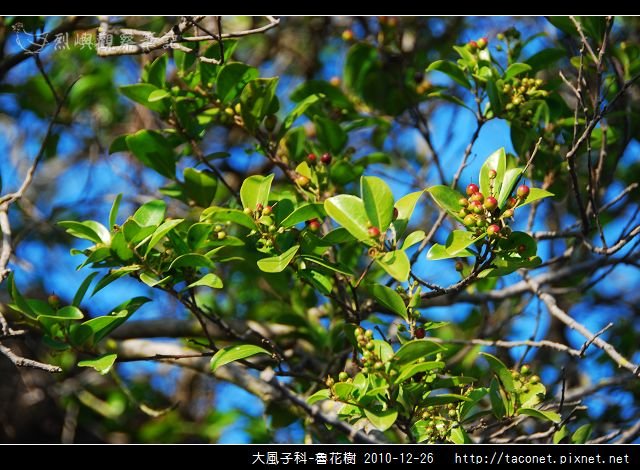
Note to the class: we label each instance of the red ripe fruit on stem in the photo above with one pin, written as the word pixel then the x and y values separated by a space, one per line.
pixel 493 230
pixel 311 158
pixel 523 191
pixel 374 232
pixel 420 333
pixel 326 158
pixel 267 210
pixel 476 207
pixel 493 174
pixel 472 189
pixel 313 224
pixel 473 45
pixel 511 203
pixel 490 203
pixel 259 207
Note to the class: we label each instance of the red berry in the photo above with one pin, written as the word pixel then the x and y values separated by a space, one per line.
pixel 493 230
pixel 511 203
pixel 259 207
pixel 482 43
pixel 473 45
pixel 374 232
pixel 491 203
pixel 347 35
pixel 313 224
pixel 493 174
pixel 267 210
pixel 472 189
pixel 420 333
pixel 523 191
pixel 476 207
pixel 311 158
pixel 326 158
pixel 477 197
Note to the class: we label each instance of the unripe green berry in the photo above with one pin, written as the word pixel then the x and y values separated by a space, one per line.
pixel 343 376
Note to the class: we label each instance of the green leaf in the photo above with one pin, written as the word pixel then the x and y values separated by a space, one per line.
pixel 278 264
pixel 157 71
pixel 416 349
pixel 191 260
pixel 560 434
pixel 496 161
pixel 413 238
pixel 349 212
pixel 582 434
pixel 257 99
pixel 378 201
pixel 102 364
pixel 544 59
pixel 82 290
pixel 447 198
pixel 516 69
pixel 297 111
pixel 140 92
pixel 381 420
pixel 534 396
pixel 221 214
pixel 200 186
pixel 405 206
pixel 456 246
pixel 459 436
pixel 494 97
pixel 497 404
pixel 330 134
pixel 458 240
pixel 535 194
pixel 444 399
pixel 68 312
pixel 235 353
pixel 303 213
pixel 396 264
pixel 255 190
pixel 452 70
pixel 113 213
pixel 320 395
pixel 208 280
pixel 102 326
pixel 88 230
pixel 508 183
pixel 389 299
pixel 336 267
pixel 160 233
pixel 517 240
pixel 158 95
pixel 112 276
pixel 540 414
pixel 382 349
pixel 154 151
pixel 119 144
pixel 498 368
pixel 358 63
pixel 150 213
pixel 318 280
pixel 232 79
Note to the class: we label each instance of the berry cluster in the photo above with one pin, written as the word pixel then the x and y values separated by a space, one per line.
pixel 371 362
pixel 267 227
pixel 518 95
pixel 478 45
pixel 482 213
pixel 438 421
pixel 523 380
